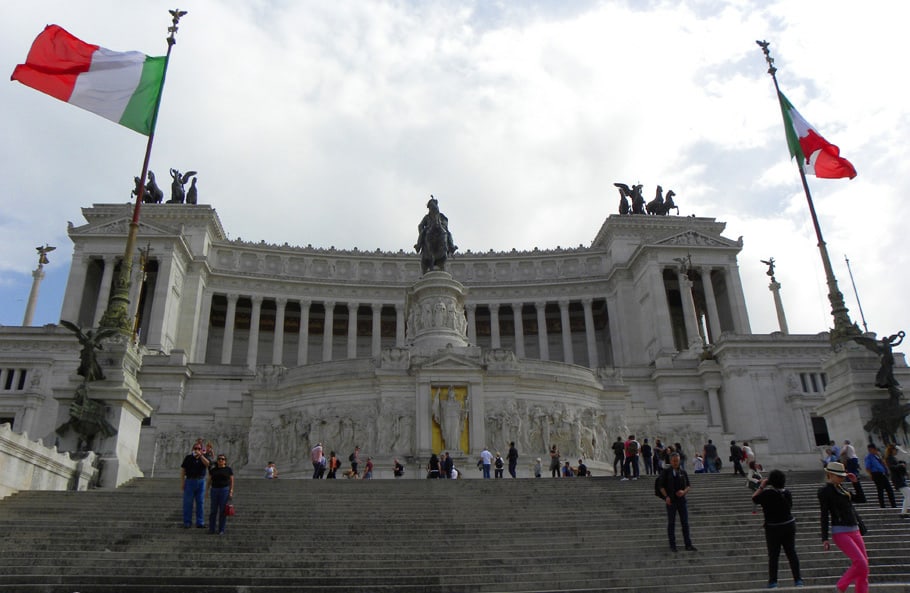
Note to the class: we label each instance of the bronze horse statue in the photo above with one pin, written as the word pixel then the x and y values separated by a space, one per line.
pixel 434 242
pixel 660 206
pixel 153 193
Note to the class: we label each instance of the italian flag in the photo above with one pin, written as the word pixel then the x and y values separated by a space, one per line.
pixel 816 155
pixel 123 87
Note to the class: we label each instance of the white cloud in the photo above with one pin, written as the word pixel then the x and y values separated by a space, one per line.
pixel 330 123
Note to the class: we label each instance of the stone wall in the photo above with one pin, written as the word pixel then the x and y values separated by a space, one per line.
pixel 30 465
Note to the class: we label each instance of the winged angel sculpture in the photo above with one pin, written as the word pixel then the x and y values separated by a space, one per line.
pixel 887 416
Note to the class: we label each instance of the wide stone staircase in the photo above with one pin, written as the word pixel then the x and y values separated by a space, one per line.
pixel 414 535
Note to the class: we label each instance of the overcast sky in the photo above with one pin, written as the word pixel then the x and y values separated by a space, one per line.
pixel 330 123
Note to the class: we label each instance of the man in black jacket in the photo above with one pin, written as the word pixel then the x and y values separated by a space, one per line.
pixel 736 456
pixel 674 487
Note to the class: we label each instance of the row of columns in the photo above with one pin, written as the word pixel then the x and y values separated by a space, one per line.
pixel 76 291
pixel 542 335
pixel 690 314
pixel 277 354
pixel 12 379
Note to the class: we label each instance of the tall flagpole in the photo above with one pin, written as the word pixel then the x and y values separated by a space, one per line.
pixel 117 313
pixel 844 328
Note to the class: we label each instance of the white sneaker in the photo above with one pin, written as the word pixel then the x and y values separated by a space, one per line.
pixel 624 480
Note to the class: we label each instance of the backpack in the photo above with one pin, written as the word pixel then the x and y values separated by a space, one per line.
pixel 351 457
pixel 633 448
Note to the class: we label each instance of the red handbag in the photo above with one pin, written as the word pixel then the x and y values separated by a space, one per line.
pixel 229 509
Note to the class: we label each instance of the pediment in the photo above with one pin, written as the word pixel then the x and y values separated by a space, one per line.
pixel 695 238
pixel 120 226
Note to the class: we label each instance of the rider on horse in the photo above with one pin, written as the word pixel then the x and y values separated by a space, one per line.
pixel 434 218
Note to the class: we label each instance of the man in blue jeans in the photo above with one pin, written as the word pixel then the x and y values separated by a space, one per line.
pixel 192 478
pixel 674 486
pixel 486 458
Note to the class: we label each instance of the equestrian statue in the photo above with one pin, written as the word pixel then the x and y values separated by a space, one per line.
pixel 434 241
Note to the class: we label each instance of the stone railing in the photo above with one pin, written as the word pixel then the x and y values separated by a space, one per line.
pixel 30 465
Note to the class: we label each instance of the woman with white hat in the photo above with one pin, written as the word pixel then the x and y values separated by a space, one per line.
pixel 846 527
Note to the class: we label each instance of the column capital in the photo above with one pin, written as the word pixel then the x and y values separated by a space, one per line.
pixel 353 306
pixel 328 305
pixel 563 303
pixel 305 304
pixel 281 301
pixel 540 304
pixel 471 307
pixel 257 299
pixel 517 307
pixel 377 307
pixel 494 307
pixel 232 297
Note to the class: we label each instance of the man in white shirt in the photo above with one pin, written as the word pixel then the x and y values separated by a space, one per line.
pixel 486 459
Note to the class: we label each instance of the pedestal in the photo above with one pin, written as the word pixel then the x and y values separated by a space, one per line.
pixel 436 316
pixel 120 394
pixel 850 392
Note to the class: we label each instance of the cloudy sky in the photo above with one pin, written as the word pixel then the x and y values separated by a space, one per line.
pixel 329 123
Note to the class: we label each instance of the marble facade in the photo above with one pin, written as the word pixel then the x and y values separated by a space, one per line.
pixel 268 349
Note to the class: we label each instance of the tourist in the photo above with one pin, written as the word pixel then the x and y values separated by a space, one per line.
pixel 499 465
pixel 554 462
pixel 447 467
pixel 709 453
pixel 875 467
pixel 512 456
pixel 658 461
pixel 632 451
pixel 646 457
pixel 780 526
pixel 898 471
pixel 699 464
pixel 316 460
pixel 397 468
pixel 221 489
pixel 753 480
pixel 538 468
pixel 850 460
pixel 567 471
pixel 682 456
pixel 748 454
pixel 845 527
pixel 333 465
pixel 619 456
pixel 209 453
pixel 433 467
pixel 192 480
pixel 368 469
pixel 736 456
pixel 486 459
pixel 354 458
pixel 582 470
pixel 674 486
pixel 271 472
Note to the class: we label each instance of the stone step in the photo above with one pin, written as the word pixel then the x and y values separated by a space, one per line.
pixel 478 536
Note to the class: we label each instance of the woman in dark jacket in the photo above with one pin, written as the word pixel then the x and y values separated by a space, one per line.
pixel 433 467
pixel 837 512
pixel 780 526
